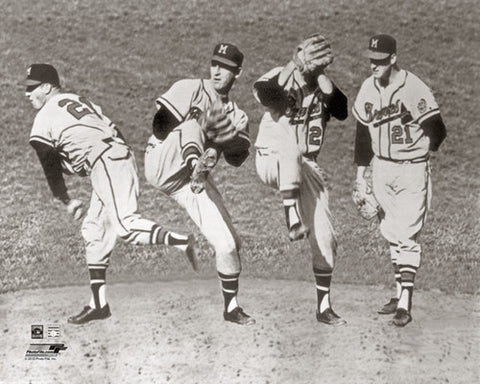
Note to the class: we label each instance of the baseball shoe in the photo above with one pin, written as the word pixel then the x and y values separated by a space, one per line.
pixel 329 317
pixel 88 314
pixel 402 317
pixel 389 308
pixel 192 252
pixel 239 317
pixel 205 164
pixel 298 232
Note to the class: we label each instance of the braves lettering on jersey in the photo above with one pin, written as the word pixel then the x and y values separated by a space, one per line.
pixel 393 115
pixel 305 116
pixel 79 144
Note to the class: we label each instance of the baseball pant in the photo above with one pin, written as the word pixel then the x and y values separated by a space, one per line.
pixel 283 168
pixel 113 210
pixel 166 170
pixel 403 190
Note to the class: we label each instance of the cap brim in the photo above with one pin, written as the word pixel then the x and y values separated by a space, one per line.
pixel 29 82
pixel 224 61
pixel 375 55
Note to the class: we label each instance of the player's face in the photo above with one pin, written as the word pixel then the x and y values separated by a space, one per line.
pixel 381 69
pixel 222 78
pixel 37 95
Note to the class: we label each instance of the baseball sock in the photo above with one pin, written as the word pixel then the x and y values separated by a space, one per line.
pixel 398 280
pixel 291 212
pixel 290 203
pixel 229 290
pixel 408 273
pixel 97 285
pixel 394 251
pixel 162 236
pixel 323 279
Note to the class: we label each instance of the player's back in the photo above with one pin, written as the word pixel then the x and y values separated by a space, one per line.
pixel 74 126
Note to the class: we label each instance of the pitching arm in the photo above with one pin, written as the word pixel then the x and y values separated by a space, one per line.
pixel 52 167
pixel 236 152
pixel 164 122
pixel 336 103
pixel 435 129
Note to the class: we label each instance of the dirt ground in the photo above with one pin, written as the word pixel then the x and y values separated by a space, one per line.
pixel 173 332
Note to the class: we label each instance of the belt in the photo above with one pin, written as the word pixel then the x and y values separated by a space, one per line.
pixel 412 161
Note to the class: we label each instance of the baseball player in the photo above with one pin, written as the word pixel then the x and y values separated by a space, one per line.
pixel 398 124
pixel 195 123
pixel 71 135
pixel 300 98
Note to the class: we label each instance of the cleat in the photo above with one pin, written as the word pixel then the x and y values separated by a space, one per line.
pixel 89 314
pixel 402 317
pixel 192 252
pixel 298 232
pixel 200 173
pixel 389 308
pixel 239 317
pixel 329 317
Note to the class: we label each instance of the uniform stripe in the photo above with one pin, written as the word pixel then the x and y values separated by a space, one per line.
pixel 204 89
pixel 113 196
pixel 244 135
pixel 427 115
pixel 97 281
pixel 229 290
pixel 394 117
pixel 358 117
pixel 41 139
pixel 229 279
pixel 323 274
pixel 161 100
pixel 320 288
pixel 408 269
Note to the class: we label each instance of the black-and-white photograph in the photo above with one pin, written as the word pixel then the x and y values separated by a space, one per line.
pixel 239 192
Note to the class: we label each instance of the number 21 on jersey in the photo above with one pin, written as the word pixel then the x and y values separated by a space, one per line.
pixel 78 109
pixel 401 134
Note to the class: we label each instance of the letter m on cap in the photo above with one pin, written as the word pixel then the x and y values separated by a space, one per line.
pixel 223 49
pixel 374 43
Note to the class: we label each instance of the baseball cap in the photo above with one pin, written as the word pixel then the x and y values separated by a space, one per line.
pixel 228 55
pixel 42 73
pixel 380 47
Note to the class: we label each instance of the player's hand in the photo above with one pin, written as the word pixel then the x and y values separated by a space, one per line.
pixel 75 208
pixel 362 185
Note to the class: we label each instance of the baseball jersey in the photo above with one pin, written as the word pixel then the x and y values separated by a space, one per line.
pixel 189 98
pixel 75 128
pixel 306 114
pixel 394 115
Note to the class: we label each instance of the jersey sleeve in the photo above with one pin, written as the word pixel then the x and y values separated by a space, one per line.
pixel 359 109
pixel 52 168
pixel 336 104
pixel 41 130
pixel 267 90
pixel 236 150
pixel 178 99
pixel 422 102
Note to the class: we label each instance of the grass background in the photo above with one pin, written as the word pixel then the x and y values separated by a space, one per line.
pixel 123 55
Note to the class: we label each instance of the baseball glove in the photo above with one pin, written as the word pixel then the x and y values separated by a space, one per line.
pixel 217 125
pixel 313 54
pixel 366 203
